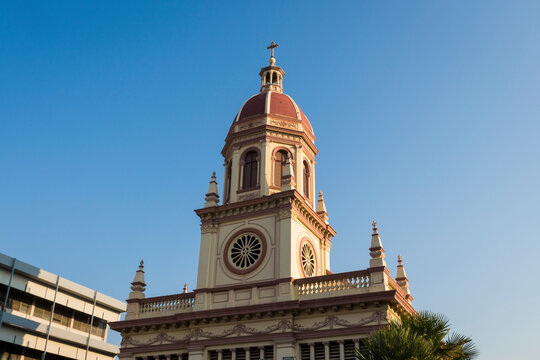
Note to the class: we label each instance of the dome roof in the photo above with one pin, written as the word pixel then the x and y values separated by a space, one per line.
pixel 275 105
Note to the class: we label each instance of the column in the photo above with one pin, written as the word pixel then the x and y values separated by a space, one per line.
pixel 261 352
pixel 233 354
pixel 341 349
pixel 219 354
pixel 326 350
pixel 248 354
pixel 311 351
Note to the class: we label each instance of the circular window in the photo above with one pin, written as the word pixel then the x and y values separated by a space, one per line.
pixel 308 259
pixel 245 251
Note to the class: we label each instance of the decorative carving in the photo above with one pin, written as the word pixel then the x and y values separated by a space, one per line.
pixel 283 123
pixel 241 329
pixel 248 196
pixel 249 125
pixel 209 228
pixel 284 214
pixel 332 321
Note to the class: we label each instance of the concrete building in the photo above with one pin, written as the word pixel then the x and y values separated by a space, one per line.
pixel 264 285
pixel 45 312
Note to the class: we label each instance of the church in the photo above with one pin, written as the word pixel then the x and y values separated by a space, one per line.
pixel 264 286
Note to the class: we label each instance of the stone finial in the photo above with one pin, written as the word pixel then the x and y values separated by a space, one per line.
pixel 401 279
pixel 375 229
pixel 138 286
pixel 212 197
pixel 321 208
pixel 376 249
pixel 185 288
pixel 287 180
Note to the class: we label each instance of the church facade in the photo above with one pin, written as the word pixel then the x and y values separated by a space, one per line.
pixel 264 285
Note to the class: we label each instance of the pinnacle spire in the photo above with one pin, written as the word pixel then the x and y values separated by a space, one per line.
pixel 376 249
pixel 138 286
pixel 401 279
pixel 321 208
pixel 212 196
pixel 185 288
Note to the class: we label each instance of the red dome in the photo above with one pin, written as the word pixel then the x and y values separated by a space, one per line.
pixel 273 104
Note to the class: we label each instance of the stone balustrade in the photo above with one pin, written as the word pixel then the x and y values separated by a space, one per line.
pixel 341 284
pixel 167 304
pixel 353 282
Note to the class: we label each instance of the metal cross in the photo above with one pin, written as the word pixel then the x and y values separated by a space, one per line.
pixel 272 46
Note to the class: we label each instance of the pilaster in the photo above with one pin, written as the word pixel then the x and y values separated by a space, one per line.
pixel 207 255
pixel 235 175
pixel 266 162
pixel 285 348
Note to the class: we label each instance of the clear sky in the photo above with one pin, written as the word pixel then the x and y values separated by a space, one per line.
pixel 113 116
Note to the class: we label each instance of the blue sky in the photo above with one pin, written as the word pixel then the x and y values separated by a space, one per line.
pixel 113 115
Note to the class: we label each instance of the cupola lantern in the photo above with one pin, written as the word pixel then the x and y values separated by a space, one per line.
pixel 272 76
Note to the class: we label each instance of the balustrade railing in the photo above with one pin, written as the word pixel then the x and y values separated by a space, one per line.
pixel 177 302
pixel 332 283
pixel 350 282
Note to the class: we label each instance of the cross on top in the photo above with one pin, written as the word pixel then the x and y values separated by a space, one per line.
pixel 272 46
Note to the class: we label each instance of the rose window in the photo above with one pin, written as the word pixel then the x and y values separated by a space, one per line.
pixel 308 259
pixel 245 250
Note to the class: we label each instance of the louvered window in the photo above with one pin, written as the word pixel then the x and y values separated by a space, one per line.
pixel 304 352
pixel 227 354
pixel 319 351
pixel 334 350
pixel 349 350
pixel 240 354
pixel 269 352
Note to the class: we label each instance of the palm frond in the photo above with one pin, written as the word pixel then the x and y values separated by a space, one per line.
pixel 423 336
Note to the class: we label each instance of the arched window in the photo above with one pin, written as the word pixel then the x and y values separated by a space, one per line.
pixel 228 182
pixel 306 179
pixel 249 179
pixel 279 166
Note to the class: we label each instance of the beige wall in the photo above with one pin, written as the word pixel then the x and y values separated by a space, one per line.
pixel 266 175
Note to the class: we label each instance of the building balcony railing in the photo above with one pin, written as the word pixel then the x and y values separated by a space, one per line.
pixel 353 282
pixel 318 287
pixel 169 303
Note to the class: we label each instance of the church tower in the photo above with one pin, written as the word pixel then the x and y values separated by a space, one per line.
pixel 264 285
pixel 270 224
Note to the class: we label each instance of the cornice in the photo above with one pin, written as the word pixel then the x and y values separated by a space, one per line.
pixel 285 200
pixel 377 298
pixel 257 206
pixel 311 219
